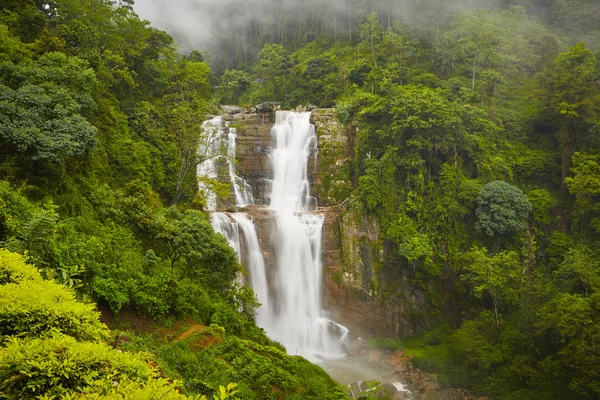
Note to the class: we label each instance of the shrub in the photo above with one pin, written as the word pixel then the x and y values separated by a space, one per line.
pixel 14 270
pixel 32 307
pixel 60 365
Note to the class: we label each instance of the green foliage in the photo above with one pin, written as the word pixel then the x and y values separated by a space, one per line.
pixel 273 67
pixel 501 209
pixel 188 238
pixel 59 364
pixel 233 83
pixel 51 344
pixel 210 357
pixel 573 101
pixel 473 342
pixel 33 307
pixel 542 206
pixel 14 270
pixel 585 186
pixel 43 108
pixel 494 276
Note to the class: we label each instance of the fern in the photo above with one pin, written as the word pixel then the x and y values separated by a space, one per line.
pixel 34 235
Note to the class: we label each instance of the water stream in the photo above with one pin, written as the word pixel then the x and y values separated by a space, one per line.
pixel 296 318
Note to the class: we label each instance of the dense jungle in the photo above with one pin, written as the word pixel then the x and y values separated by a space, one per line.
pixel 475 146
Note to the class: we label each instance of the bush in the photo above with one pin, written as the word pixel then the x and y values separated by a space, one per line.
pixel 51 345
pixel 33 307
pixel 14 270
pixel 60 365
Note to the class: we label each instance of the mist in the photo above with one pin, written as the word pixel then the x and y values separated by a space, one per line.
pixel 231 32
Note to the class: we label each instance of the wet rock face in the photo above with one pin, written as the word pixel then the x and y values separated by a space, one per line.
pixel 252 152
pixel 353 260
pixel 332 184
pixel 347 281
pixel 266 227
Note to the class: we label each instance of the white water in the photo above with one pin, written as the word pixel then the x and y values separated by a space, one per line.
pixel 227 227
pixel 214 131
pixel 291 310
pixel 297 319
pixel 255 265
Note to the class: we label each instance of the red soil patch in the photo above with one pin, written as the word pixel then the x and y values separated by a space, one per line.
pixel 189 332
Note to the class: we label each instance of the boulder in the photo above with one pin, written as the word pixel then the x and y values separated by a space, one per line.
pixel 232 110
pixel 267 106
pixel 399 396
pixel 389 387
pixel 431 393
pixel 400 368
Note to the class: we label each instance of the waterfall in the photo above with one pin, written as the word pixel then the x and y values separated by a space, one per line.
pixel 222 224
pixel 255 264
pixel 210 151
pixel 214 132
pixel 296 318
pixel 243 193
pixel 290 309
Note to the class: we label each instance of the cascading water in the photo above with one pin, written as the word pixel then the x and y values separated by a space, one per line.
pixel 296 318
pixel 291 309
pixel 214 130
pixel 255 264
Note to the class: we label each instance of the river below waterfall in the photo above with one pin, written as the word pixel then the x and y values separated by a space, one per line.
pixel 349 369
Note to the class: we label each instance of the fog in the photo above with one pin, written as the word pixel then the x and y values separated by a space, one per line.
pixel 232 30
pixel 201 21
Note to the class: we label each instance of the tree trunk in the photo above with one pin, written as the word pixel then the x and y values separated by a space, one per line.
pixel 473 80
pixel 349 20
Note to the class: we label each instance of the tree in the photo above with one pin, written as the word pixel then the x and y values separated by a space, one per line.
pixel 574 100
pixel 233 83
pixel 43 108
pixel 411 244
pixel 475 39
pixel 584 184
pixel 372 32
pixel 491 275
pixel 187 239
pixel 273 66
pixel 501 209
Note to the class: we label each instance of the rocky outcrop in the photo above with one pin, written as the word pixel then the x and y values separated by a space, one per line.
pixel 266 229
pixel 402 380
